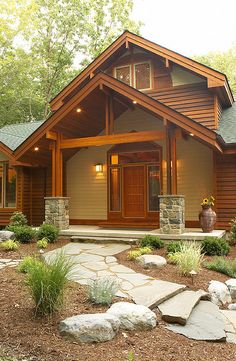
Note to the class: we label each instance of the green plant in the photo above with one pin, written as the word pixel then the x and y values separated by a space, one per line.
pixel 188 259
pixel 145 250
pixel 102 290
pixel 152 241
pixel 130 356
pixel 47 283
pixel 42 243
pixel 27 262
pixel 174 247
pixel 9 245
pixel 222 265
pixel 48 231
pixel 232 234
pixel 18 219
pixel 23 234
pixel 213 246
pixel 132 255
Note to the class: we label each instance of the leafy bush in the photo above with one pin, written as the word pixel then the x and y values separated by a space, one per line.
pixel 188 259
pixel 18 219
pixel 27 263
pixel 102 290
pixel 132 255
pixel 174 247
pixel 232 235
pixel 213 246
pixel 47 283
pixel 48 231
pixel 23 234
pixel 9 245
pixel 42 243
pixel 152 241
pixel 222 265
pixel 145 250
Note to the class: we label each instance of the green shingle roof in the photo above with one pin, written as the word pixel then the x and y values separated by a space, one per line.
pixel 15 134
pixel 227 125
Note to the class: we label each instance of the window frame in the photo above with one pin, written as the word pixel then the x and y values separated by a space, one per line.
pixel 150 65
pixel 4 178
pixel 130 73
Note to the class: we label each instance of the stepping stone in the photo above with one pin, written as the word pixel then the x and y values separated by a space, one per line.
pixel 95 266
pixel 178 308
pixel 126 286
pixel 86 257
pixel 79 272
pixel 110 249
pixel 105 273
pixel 111 259
pixel 229 326
pixel 155 292
pixel 136 279
pixel 150 260
pixel 205 323
pixel 119 268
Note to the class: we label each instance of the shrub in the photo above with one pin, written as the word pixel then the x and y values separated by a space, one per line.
pixel 188 259
pixel 174 247
pixel 27 262
pixel 232 235
pixel 42 243
pixel 23 234
pixel 145 250
pixel 18 219
pixel 102 290
pixel 48 231
pixel 47 283
pixel 213 246
pixel 132 255
pixel 222 265
pixel 152 241
pixel 9 245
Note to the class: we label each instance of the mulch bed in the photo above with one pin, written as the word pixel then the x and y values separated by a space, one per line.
pixel 32 338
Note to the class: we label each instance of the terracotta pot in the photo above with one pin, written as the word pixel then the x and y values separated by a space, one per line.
pixel 207 218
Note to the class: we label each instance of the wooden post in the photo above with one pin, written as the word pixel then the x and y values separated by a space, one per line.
pixel 173 163
pixel 111 115
pixel 107 114
pixel 168 158
pixel 57 168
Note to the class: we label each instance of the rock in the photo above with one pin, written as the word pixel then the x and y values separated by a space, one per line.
pixel 230 325
pixel 205 323
pixel 232 306
pixel 155 292
pixel 231 284
pixel 5 235
pixel 150 260
pixel 111 259
pixel 133 317
pixel 219 293
pixel 178 308
pixel 98 327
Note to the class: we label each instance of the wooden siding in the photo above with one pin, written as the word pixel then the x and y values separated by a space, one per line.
pixel 225 192
pixel 194 101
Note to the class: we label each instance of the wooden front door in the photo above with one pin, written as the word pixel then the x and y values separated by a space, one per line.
pixel 134 191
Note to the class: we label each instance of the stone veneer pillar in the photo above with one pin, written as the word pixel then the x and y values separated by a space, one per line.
pixel 172 214
pixel 57 211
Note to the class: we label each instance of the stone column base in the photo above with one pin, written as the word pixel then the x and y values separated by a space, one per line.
pixel 57 211
pixel 172 214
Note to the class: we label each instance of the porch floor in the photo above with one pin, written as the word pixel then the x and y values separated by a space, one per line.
pixel 99 233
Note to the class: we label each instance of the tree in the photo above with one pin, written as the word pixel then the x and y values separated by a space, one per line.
pixel 40 41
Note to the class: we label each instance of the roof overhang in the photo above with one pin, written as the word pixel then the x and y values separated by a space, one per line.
pixel 7 151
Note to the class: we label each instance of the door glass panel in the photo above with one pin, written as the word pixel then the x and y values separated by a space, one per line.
pixel 123 74
pixel 10 187
pixel 1 184
pixel 115 189
pixel 142 76
pixel 153 187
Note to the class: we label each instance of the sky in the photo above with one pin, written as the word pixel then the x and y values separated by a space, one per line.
pixel 190 27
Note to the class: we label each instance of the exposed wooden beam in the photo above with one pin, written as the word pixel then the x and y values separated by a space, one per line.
pixel 111 112
pixel 15 163
pixel 107 115
pixel 112 139
pixel 51 135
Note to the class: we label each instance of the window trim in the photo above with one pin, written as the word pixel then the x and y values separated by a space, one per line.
pixel 2 204
pixel 150 65
pixel 130 72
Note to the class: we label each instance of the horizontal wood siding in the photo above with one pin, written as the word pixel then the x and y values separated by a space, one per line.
pixel 225 170
pixel 194 101
pixel 38 193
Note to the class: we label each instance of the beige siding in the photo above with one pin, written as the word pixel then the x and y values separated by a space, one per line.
pixel 180 76
pixel 195 174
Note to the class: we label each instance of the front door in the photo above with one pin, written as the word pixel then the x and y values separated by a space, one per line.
pixel 134 191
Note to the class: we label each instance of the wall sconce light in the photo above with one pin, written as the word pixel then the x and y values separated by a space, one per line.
pixel 99 167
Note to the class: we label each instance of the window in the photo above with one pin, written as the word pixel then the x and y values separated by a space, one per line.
pixel 115 189
pixel 141 73
pixel 123 74
pixel 7 186
pixel 154 187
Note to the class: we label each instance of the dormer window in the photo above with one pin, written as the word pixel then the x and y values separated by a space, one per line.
pixel 137 75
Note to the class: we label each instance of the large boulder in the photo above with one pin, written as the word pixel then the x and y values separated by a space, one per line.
pixel 231 284
pixel 86 328
pixel 150 260
pixel 133 317
pixel 5 235
pixel 220 294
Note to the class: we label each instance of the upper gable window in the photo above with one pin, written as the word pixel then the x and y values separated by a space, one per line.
pixel 137 75
pixel 123 73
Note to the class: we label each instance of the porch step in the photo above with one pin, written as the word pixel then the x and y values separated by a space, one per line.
pixel 103 239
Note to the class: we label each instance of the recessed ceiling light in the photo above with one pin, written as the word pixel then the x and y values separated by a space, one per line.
pixel 79 110
pixel 36 149
pixel 192 135
pixel 134 101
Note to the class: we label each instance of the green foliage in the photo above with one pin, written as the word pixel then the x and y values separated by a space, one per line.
pixel 213 246
pixel 47 283
pixel 222 265
pixel 48 231
pixel 23 234
pixel 18 219
pixel 188 259
pixel 174 247
pixel 9 245
pixel 152 241
pixel 133 254
pixel 232 235
pixel 130 356
pixel 42 243
pixel 26 264
pixel 102 290
pixel 145 250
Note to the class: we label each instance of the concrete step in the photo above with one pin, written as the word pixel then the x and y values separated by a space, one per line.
pixel 96 239
pixel 178 308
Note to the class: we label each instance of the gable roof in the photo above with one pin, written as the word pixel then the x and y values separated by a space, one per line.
pixel 227 125
pixel 14 135
pixel 214 77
